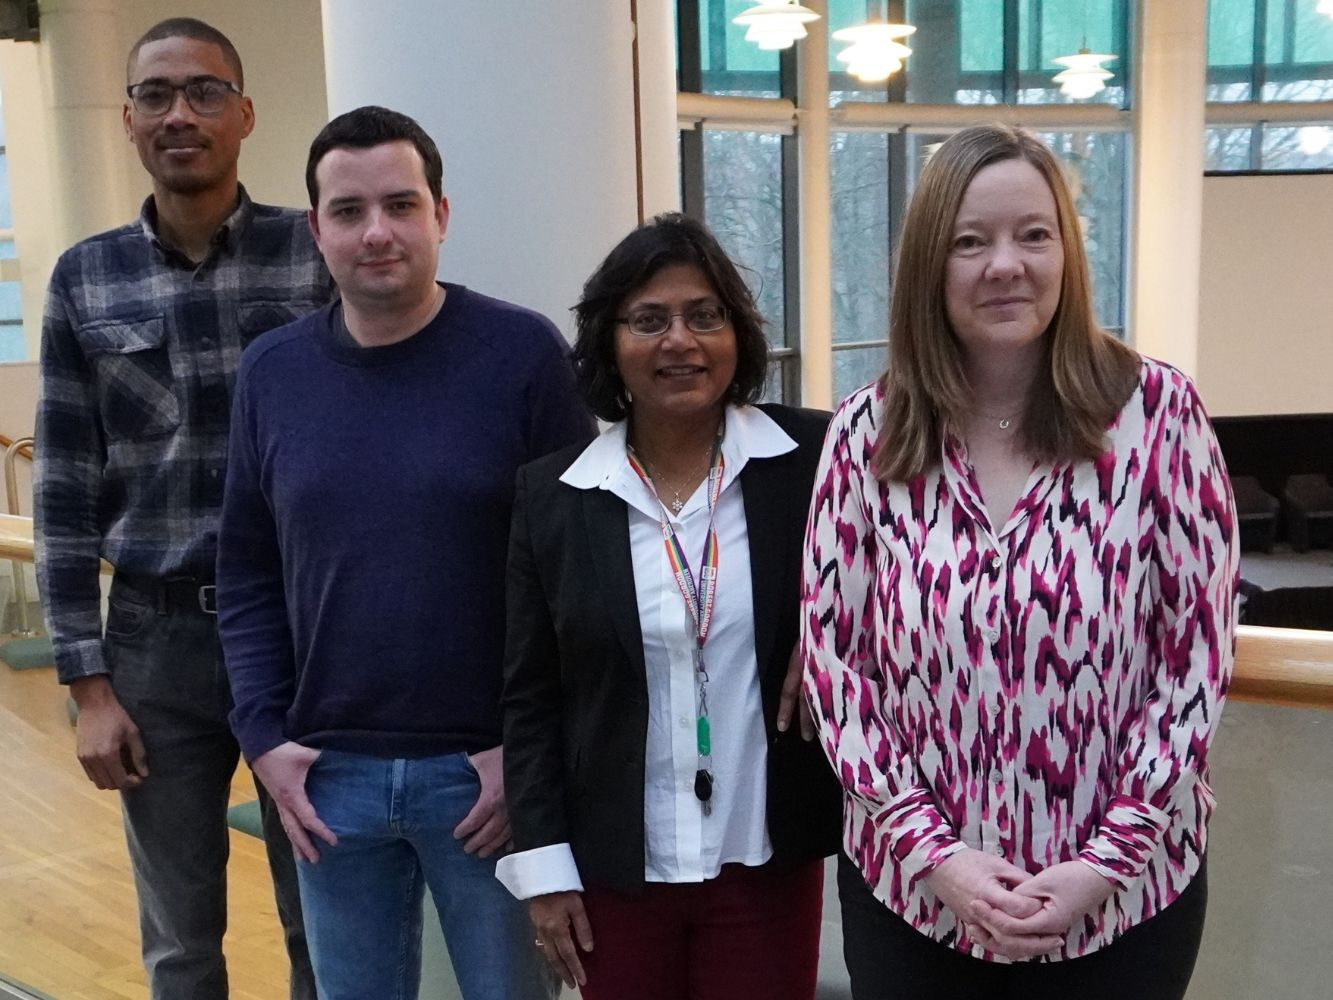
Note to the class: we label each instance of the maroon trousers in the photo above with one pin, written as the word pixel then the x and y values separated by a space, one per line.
pixel 750 932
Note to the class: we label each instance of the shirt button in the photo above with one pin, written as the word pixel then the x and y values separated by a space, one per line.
pixel 995 561
pixel 992 634
pixel 684 722
pixel 997 849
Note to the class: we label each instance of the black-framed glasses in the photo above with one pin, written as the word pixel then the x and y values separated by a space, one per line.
pixel 655 322
pixel 206 95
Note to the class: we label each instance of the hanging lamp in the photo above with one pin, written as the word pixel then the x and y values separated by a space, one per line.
pixel 777 24
pixel 874 52
pixel 1084 74
pixel 1325 7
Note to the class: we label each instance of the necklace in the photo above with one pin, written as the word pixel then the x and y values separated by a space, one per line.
pixel 677 502
pixel 1004 423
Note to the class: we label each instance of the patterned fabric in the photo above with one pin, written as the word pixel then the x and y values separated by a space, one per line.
pixel 1045 692
pixel 139 354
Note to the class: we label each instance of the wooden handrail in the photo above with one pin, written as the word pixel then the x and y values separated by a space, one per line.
pixel 25 451
pixel 1280 666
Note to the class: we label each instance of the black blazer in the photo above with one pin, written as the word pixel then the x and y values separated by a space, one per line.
pixel 575 693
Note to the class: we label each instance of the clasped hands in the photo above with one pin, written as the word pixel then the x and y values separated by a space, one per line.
pixel 1011 913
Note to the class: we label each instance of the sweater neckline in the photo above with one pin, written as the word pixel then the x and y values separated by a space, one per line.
pixel 338 344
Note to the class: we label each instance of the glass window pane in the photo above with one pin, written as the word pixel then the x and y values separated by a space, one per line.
pixel 1313 36
pixel 1095 165
pixel 859 221
pixel 783 381
pixel 743 207
pixel 855 367
pixel 842 85
pixel 1275 34
pixel 12 347
pixel 1230 33
pixel 1298 147
pixel 1227 148
pixel 731 64
pixel 1048 30
pixel 957 52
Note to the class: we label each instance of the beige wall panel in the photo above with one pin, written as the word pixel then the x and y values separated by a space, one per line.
pixel 1265 324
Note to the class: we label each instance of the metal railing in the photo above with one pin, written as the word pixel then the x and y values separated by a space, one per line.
pixel 21 446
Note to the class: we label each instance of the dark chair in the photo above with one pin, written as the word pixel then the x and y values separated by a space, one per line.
pixel 1307 502
pixel 1288 607
pixel 1256 509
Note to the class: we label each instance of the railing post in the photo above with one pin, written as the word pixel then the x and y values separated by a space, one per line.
pixel 24 629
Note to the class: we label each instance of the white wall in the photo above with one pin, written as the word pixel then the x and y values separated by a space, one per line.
pixel 532 108
pixel 1265 315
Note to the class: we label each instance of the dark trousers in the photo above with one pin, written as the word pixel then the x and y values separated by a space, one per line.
pixel 750 932
pixel 888 959
pixel 166 670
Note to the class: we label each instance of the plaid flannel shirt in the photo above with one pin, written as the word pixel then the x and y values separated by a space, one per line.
pixel 140 348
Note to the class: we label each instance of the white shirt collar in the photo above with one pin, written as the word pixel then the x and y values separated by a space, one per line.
pixel 751 433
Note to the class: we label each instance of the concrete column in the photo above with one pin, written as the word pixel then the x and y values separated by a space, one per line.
pixel 533 109
pixel 82 68
pixel 1168 197
pixel 816 226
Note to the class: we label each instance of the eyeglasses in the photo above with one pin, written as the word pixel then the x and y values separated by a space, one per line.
pixel 206 95
pixel 655 322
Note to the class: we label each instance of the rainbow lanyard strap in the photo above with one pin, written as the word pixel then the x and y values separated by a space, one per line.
pixel 699 599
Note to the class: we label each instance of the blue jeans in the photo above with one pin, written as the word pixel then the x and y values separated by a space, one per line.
pixel 394 820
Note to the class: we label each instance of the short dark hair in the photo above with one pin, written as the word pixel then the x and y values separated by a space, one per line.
pixel 371 126
pixel 188 27
pixel 670 238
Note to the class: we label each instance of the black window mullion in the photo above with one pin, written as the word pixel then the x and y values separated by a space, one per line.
pixel 689 65
pixel 1009 87
pixel 791 228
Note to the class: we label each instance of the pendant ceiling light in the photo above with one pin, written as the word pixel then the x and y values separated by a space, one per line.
pixel 1325 7
pixel 874 52
pixel 777 24
pixel 1084 74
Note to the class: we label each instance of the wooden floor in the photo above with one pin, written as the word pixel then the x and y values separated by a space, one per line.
pixel 68 924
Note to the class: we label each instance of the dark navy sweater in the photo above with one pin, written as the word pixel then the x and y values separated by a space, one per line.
pixel 361 555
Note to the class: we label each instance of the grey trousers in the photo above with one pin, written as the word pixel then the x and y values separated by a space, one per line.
pixel 166 670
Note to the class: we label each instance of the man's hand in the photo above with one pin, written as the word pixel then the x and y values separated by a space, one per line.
pixel 976 886
pixel 109 745
pixel 554 915
pixel 1065 892
pixel 794 698
pixel 485 829
pixel 283 771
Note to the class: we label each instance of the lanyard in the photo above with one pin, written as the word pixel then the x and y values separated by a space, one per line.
pixel 699 597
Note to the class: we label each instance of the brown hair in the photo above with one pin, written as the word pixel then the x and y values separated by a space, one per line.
pixel 667 239
pixel 1087 374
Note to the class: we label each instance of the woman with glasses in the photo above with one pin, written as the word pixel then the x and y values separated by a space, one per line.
pixel 1019 612
pixel 669 812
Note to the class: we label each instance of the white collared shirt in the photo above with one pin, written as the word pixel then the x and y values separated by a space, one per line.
pixel 680 843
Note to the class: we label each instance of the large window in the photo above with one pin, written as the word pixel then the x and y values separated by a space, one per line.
pixel 12 346
pixel 1270 52
pixel 965 52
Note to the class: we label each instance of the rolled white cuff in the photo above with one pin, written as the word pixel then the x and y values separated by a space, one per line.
pixel 539 871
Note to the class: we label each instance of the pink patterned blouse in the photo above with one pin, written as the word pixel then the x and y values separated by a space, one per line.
pixel 1046 690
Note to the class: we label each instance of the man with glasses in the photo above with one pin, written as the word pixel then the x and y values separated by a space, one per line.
pixel 143 333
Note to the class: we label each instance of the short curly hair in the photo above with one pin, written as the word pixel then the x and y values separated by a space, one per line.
pixel 667 239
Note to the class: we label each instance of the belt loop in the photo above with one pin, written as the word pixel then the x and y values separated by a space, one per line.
pixel 163 600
